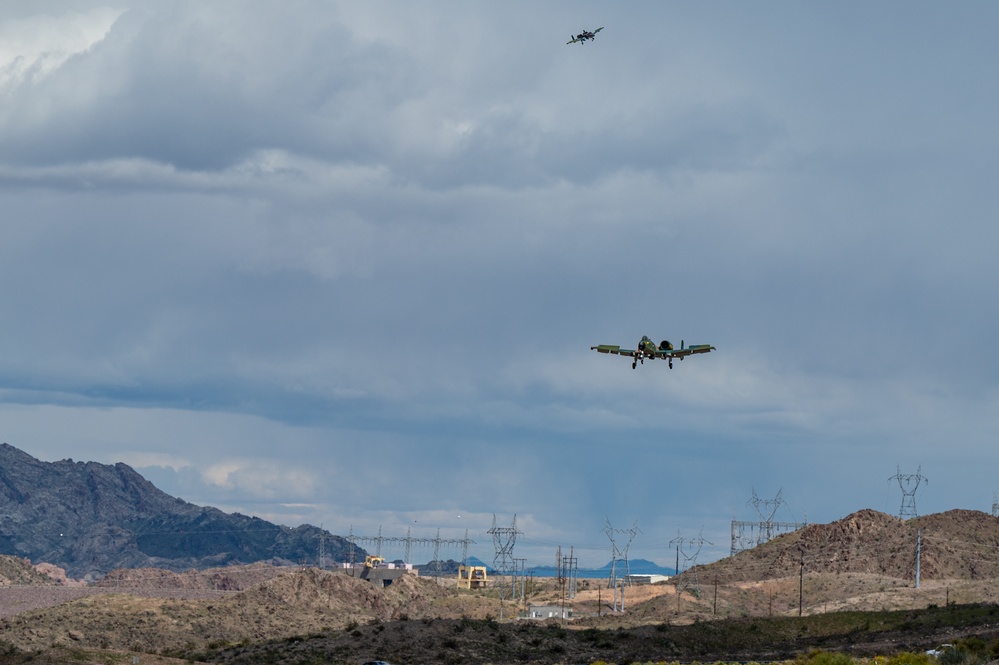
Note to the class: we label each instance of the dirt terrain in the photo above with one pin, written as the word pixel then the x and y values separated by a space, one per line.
pixel 145 617
pixel 265 613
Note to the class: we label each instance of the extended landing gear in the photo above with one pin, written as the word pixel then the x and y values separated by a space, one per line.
pixel 671 363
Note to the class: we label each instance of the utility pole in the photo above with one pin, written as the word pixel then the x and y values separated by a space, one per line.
pixel 322 548
pixel 801 581
pixel 679 589
pixel 523 582
pixel 919 543
pixel 561 580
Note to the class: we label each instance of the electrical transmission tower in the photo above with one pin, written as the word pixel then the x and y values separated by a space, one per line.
pixel 689 561
pixel 772 506
pixel 322 548
pixel 909 484
pixel 764 530
pixel 350 550
pixel 437 556
pixel 618 553
pixel 995 505
pixel 504 538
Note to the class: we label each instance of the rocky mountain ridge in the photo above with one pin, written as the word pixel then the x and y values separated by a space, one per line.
pixel 90 518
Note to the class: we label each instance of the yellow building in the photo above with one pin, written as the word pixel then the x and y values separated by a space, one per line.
pixel 471 577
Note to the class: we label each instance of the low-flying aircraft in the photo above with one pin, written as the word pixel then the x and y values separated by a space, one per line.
pixel 648 349
pixel 583 36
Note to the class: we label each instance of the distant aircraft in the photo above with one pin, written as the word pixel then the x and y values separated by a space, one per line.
pixel 583 36
pixel 648 349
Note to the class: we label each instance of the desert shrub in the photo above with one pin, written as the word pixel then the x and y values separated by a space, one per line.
pixel 973 645
pixel 952 657
pixel 820 657
pixel 909 658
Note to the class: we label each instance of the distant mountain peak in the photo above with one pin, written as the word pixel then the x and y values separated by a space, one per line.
pixel 90 518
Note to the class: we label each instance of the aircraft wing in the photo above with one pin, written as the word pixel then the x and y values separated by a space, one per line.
pixel 685 351
pixel 572 41
pixel 597 30
pixel 609 348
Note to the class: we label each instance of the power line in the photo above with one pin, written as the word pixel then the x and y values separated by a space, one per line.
pixel 438 542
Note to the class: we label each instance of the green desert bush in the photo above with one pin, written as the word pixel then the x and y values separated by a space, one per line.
pixel 820 657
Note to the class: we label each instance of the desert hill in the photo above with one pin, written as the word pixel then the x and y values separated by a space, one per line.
pixel 292 602
pixel 15 570
pixel 91 518
pixel 865 561
pixel 265 613
pixel 957 544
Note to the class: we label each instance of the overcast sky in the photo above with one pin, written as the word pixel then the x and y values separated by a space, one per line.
pixel 342 263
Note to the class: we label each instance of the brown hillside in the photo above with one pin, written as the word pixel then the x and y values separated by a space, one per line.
pixel 865 561
pixel 15 570
pixel 957 544
pixel 229 578
pixel 297 602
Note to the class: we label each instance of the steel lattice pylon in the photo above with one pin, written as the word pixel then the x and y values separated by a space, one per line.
pixel 765 529
pixel 504 538
pixel 618 553
pixel 909 484
pixel 689 561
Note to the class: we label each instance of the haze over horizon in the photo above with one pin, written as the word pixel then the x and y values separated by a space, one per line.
pixel 342 263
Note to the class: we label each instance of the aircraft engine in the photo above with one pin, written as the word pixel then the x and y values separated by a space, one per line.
pixel 665 346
